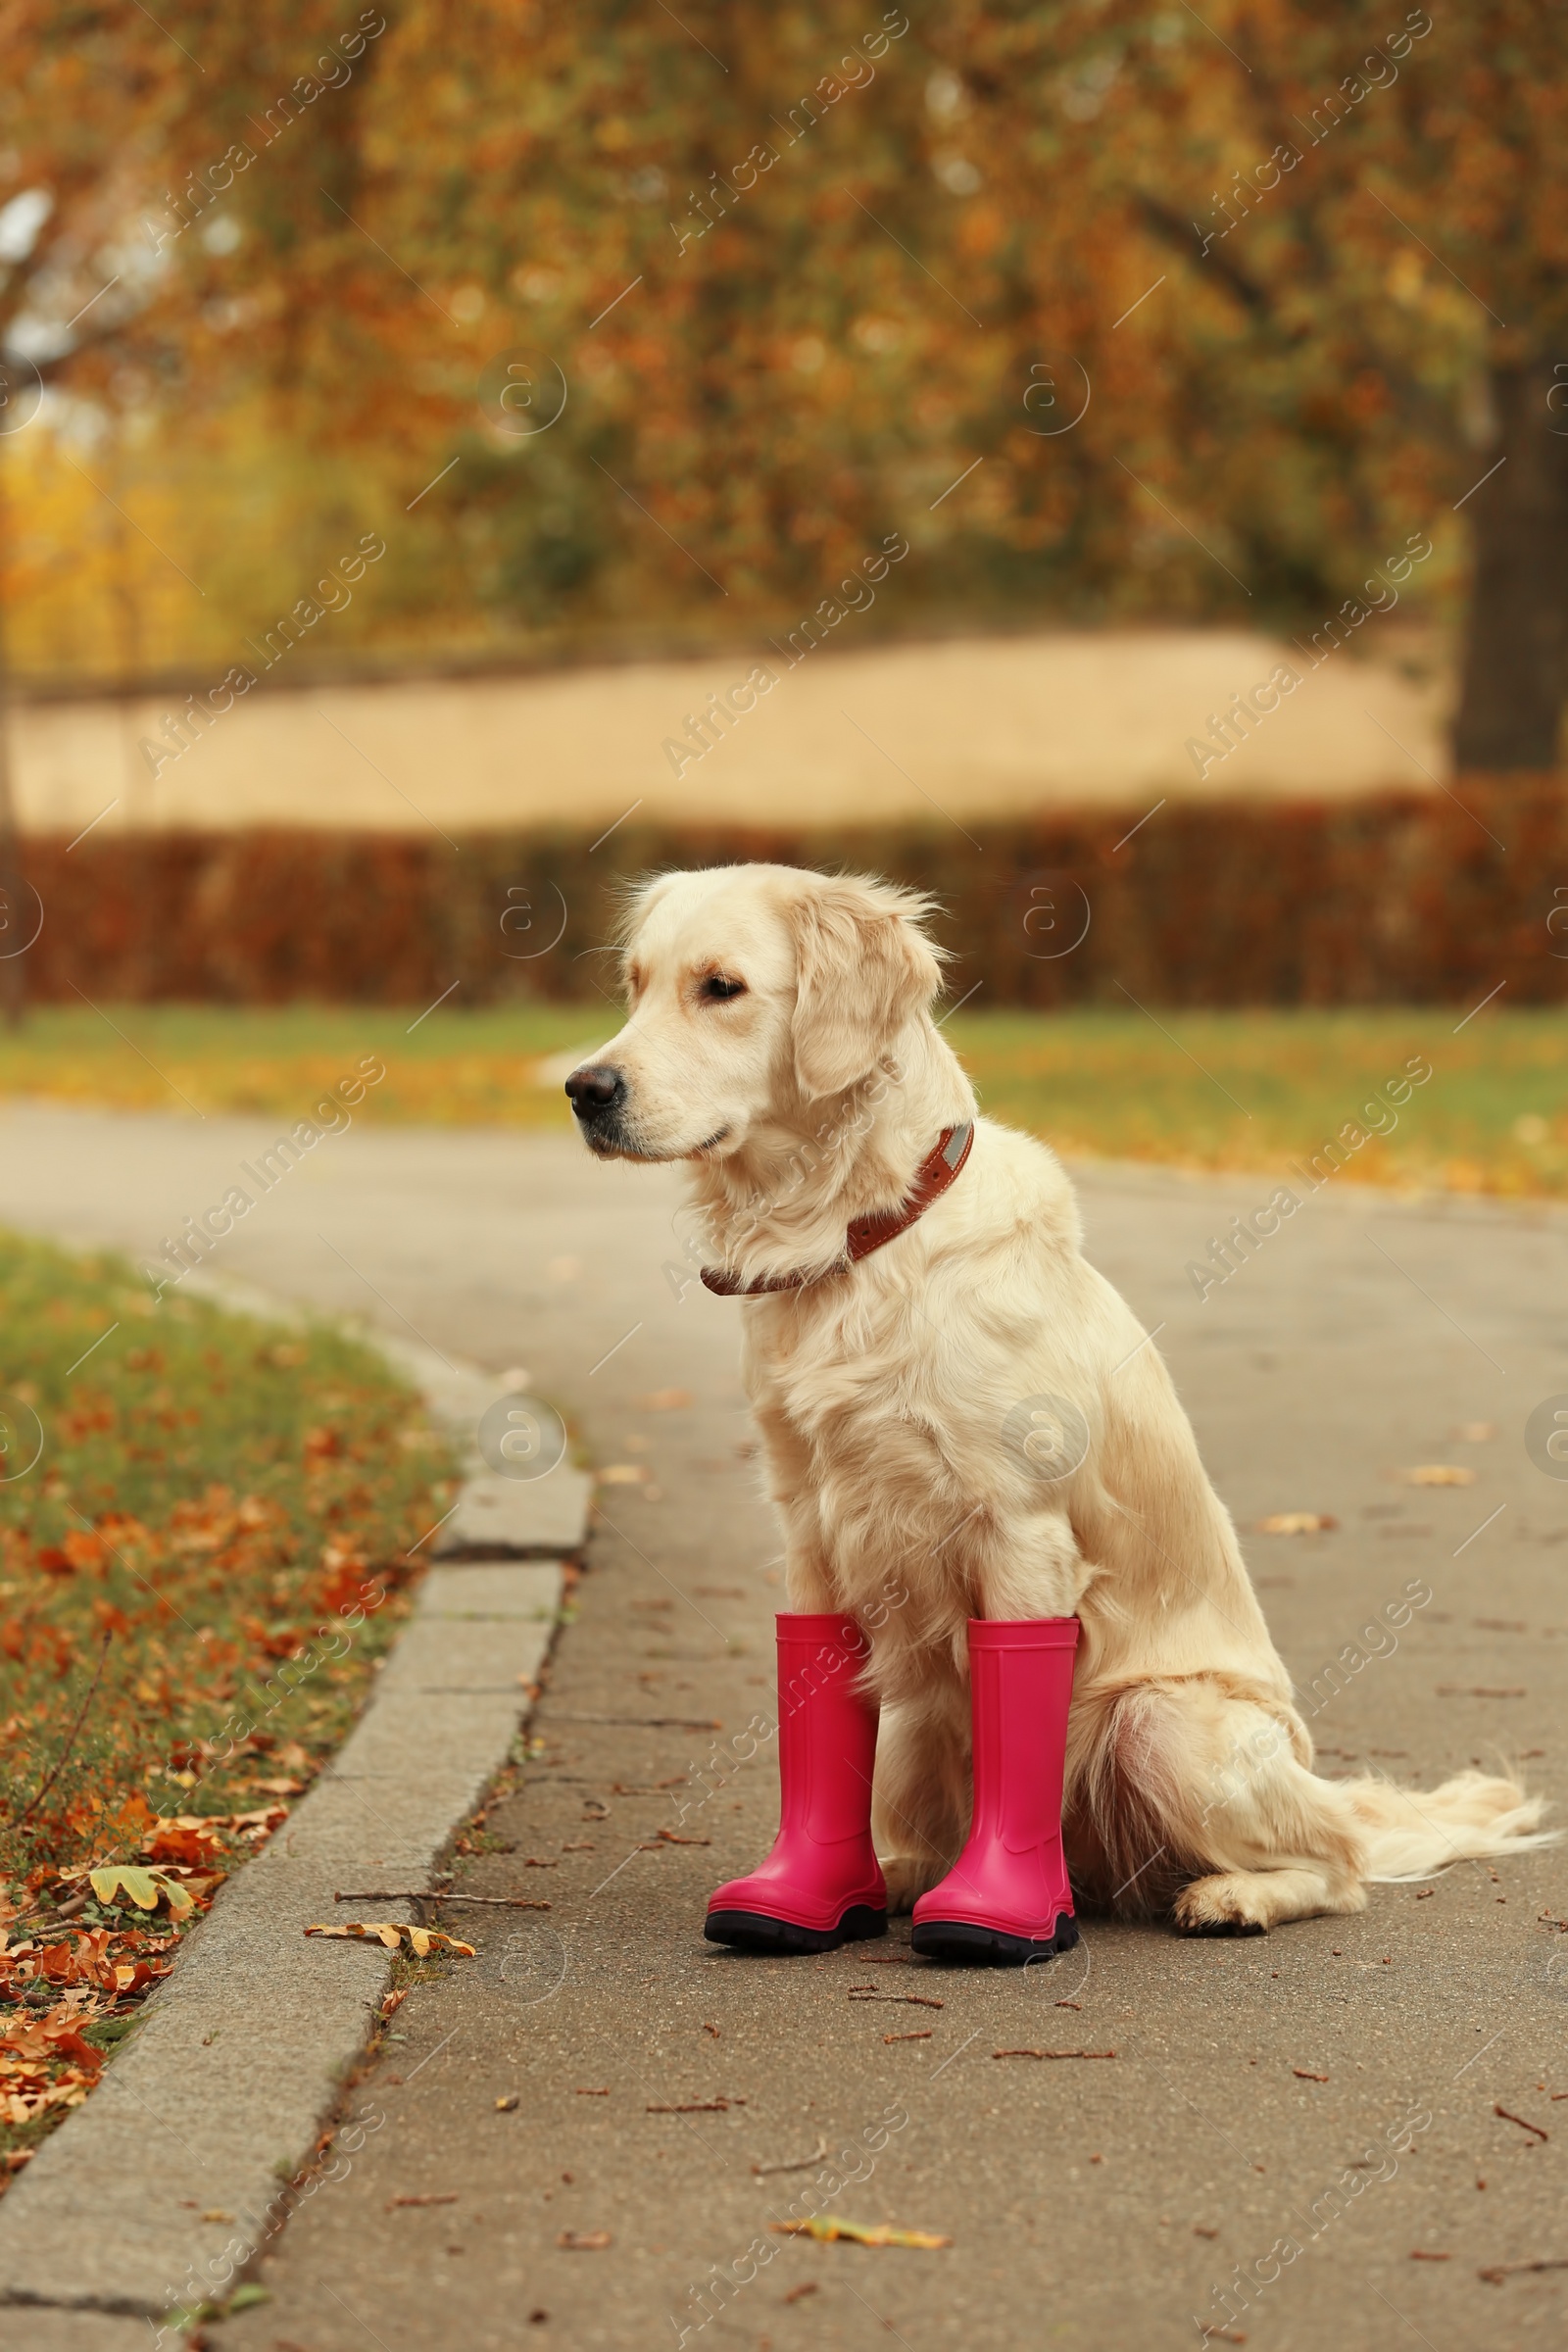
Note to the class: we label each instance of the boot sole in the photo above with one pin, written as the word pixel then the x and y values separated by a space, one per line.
pixel 755 1932
pixel 966 1943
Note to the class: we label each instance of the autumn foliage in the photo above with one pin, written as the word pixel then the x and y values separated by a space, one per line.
pixel 203 1548
pixel 627 330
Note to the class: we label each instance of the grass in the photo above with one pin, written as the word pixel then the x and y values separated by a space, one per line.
pixel 1257 1090
pixel 1213 1090
pixel 204 1547
pixel 447 1068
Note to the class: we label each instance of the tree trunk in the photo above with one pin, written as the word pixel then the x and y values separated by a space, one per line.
pixel 1516 652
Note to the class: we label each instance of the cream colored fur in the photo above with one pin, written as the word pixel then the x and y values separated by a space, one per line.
pixel 882 1393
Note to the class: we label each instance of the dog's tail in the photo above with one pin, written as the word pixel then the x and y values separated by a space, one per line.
pixel 1414 1832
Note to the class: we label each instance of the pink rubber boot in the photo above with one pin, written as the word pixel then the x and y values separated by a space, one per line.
pixel 1007 1898
pixel 821 1885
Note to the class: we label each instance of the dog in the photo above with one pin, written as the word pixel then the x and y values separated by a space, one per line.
pixel 969 1422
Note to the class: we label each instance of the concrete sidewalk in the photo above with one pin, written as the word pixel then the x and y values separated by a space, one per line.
pixel 1243 2157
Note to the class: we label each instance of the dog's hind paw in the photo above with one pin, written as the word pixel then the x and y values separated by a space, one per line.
pixel 1227 1904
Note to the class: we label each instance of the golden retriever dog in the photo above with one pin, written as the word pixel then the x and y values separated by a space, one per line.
pixel 971 1422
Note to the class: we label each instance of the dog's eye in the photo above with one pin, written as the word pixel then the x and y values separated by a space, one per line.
pixel 719 991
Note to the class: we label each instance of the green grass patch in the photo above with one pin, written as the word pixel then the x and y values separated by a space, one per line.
pixel 1212 1089
pixel 205 1531
pixel 1258 1090
pixel 447 1068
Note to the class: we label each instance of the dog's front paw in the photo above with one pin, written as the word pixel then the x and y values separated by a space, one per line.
pixel 907 1877
pixel 1230 1903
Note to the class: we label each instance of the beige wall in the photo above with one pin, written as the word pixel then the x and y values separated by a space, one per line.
pixel 979 727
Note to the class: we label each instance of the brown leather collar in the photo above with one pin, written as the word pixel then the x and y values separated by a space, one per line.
pixel 931 1180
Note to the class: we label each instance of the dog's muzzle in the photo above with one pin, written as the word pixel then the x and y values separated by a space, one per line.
pixel 597 1094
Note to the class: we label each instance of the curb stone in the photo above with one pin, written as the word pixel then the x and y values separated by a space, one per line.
pixel 214 2101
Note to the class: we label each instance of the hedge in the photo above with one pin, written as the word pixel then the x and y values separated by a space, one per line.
pixel 1392 899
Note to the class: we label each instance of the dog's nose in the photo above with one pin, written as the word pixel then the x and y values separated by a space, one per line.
pixel 595 1088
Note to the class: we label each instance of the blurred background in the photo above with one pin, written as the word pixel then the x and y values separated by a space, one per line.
pixel 1104 462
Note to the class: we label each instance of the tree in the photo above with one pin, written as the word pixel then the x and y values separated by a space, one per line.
pixel 1377 195
pixel 1107 307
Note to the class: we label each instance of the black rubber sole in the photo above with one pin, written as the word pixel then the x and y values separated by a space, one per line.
pixel 755 1932
pixel 970 1945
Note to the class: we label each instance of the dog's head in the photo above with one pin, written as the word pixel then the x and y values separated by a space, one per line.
pixel 755 991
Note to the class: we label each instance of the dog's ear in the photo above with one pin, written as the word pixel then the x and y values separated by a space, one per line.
pixel 862 967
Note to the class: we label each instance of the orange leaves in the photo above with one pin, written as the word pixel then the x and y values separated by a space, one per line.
pixel 190 1841
pixel 340 1590
pixel 45 2061
pixel 271 1641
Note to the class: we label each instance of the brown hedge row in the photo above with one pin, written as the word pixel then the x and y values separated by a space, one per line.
pixel 1393 900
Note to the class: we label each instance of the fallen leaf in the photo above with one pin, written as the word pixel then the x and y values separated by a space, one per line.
pixel 421 1940
pixel 827 2227
pixel 141 1888
pixel 1439 1474
pixel 584 2241
pixel 1296 1523
pixel 394 2001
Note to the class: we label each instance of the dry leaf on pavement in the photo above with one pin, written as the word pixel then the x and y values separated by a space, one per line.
pixel 422 1941
pixel 1440 1473
pixel 827 2227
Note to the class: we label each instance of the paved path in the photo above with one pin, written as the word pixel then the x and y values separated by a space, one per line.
pixel 1096 2202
